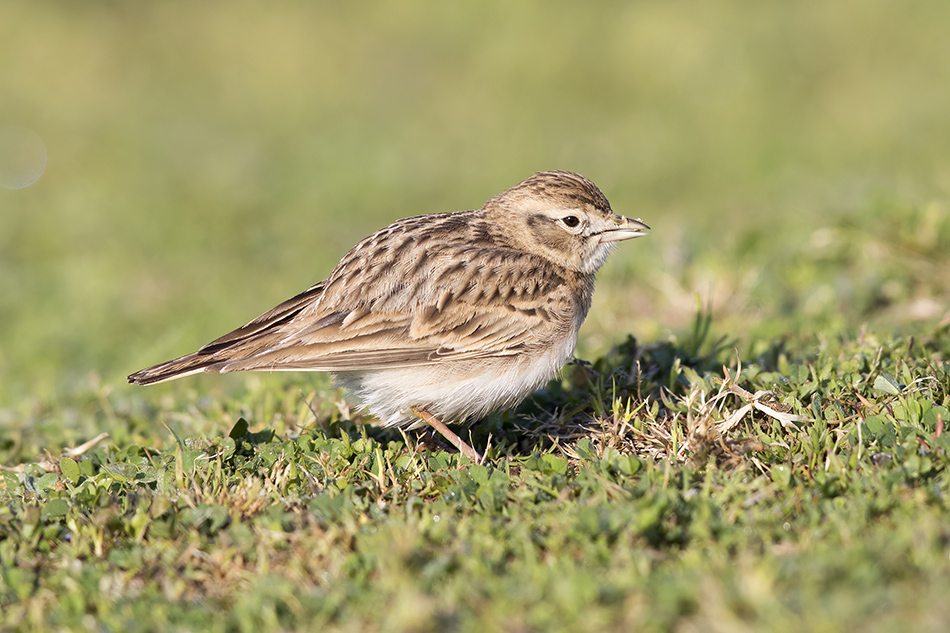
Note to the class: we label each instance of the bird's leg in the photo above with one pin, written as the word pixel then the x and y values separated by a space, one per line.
pixel 445 432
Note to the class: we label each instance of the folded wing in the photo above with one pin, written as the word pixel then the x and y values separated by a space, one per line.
pixel 453 312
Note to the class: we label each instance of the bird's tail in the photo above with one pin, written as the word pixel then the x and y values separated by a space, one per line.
pixel 176 368
pixel 236 350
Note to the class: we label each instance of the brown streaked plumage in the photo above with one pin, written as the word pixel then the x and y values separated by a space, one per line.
pixel 450 315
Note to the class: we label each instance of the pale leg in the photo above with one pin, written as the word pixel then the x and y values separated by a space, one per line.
pixel 445 432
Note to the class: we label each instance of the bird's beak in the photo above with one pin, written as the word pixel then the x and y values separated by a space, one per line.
pixel 623 229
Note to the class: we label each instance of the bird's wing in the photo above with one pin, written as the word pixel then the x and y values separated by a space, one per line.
pixel 268 321
pixel 424 333
pixel 400 298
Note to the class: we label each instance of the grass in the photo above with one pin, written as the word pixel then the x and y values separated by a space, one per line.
pixel 646 491
pixel 758 443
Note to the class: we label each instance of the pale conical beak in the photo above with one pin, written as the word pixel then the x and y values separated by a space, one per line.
pixel 624 229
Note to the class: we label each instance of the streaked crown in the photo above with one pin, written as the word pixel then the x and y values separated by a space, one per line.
pixel 563 217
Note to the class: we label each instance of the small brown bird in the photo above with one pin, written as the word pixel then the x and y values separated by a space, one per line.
pixel 442 317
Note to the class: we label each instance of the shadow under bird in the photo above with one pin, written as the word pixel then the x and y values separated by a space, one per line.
pixel 444 317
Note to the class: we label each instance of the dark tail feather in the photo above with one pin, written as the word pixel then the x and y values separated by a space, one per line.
pixel 169 370
pixel 241 344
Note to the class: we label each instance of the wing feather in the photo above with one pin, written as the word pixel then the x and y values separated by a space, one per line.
pixel 404 305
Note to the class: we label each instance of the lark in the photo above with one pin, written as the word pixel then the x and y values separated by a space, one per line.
pixel 441 318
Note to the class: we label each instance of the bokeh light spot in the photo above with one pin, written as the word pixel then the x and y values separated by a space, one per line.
pixel 22 156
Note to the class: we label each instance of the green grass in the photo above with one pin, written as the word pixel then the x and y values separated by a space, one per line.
pixel 611 500
pixel 769 452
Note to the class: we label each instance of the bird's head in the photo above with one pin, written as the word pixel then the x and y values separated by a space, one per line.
pixel 563 217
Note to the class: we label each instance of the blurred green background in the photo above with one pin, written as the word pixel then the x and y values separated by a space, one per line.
pixel 208 160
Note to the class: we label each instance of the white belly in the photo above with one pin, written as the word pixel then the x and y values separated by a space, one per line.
pixel 454 392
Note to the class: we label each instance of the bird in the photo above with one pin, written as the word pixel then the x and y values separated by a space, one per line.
pixel 441 318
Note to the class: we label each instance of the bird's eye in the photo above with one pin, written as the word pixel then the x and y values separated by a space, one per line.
pixel 570 221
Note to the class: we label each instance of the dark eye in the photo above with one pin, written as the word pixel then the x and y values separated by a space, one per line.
pixel 570 221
